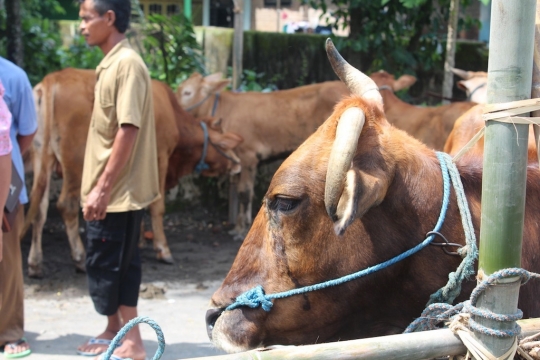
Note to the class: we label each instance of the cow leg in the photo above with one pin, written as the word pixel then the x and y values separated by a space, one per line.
pixel 35 255
pixel 163 253
pixel 245 198
pixel 68 205
pixel 157 210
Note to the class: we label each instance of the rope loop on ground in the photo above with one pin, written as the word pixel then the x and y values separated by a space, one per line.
pixel 140 319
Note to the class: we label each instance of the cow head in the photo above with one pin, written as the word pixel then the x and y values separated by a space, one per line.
pixel 326 214
pixel 387 81
pixel 474 84
pixel 195 93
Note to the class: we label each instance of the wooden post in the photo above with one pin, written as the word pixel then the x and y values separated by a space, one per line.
pixel 238 51
pixel 449 62
pixel 505 161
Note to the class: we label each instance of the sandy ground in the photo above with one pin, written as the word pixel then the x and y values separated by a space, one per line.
pixel 60 315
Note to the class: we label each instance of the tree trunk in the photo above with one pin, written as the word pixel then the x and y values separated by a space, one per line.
pixel 15 51
pixel 448 82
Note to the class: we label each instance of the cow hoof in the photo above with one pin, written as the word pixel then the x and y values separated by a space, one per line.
pixel 167 259
pixel 80 267
pixel 35 272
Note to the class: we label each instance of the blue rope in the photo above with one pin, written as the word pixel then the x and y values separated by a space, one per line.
pixel 451 290
pixel 201 165
pixel 214 107
pixel 256 297
pixel 141 319
pixel 437 313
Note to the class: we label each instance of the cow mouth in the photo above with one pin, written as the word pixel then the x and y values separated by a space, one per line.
pixel 211 317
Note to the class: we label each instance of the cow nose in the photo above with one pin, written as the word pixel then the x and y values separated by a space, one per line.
pixel 211 317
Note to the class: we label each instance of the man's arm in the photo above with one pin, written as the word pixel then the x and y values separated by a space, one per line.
pixel 25 141
pixel 95 207
pixel 5 181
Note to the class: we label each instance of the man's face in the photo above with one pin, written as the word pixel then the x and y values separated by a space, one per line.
pixel 94 27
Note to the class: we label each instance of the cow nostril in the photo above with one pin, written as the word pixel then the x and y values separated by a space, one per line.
pixel 211 317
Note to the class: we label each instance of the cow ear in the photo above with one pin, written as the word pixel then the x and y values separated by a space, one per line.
pixel 404 82
pixel 361 192
pixel 215 82
pixel 462 84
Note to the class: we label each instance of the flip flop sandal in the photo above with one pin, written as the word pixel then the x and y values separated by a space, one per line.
pixel 94 341
pixel 13 345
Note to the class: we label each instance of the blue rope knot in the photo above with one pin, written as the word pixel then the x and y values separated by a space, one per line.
pixel 252 298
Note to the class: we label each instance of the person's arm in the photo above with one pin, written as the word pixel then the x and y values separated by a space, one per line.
pixel 98 199
pixel 25 141
pixel 5 181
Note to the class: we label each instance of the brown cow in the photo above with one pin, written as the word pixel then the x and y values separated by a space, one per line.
pixel 474 84
pixel 356 193
pixel 272 124
pixel 431 125
pixel 64 102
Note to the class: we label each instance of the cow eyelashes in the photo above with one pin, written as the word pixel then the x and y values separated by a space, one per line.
pixel 283 204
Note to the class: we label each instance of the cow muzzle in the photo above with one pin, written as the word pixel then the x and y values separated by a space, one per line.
pixel 211 317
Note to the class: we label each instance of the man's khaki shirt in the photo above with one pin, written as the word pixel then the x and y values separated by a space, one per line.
pixel 123 95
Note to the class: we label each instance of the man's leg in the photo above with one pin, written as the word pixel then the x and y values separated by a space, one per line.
pixel 114 324
pixel 12 289
pixel 104 249
pixel 132 344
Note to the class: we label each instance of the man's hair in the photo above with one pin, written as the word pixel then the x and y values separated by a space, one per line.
pixel 121 8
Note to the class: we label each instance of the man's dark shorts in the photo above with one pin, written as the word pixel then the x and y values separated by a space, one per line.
pixel 113 264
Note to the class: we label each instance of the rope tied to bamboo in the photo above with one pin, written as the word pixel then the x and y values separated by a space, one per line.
pixel 460 316
pixel 507 113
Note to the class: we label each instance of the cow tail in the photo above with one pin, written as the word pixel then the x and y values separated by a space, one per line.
pixel 42 154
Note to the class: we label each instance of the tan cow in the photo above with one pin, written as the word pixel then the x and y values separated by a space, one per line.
pixel 272 124
pixel 64 102
pixel 474 84
pixel 356 193
pixel 431 125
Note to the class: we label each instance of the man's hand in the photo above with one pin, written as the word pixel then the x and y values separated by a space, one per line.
pixel 96 204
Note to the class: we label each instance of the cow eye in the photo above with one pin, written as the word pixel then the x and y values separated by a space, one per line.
pixel 186 93
pixel 283 204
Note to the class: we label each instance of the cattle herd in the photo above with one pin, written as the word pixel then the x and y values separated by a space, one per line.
pixel 361 184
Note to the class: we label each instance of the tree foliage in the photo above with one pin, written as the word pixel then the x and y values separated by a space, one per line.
pixel 399 36
pixel 170 48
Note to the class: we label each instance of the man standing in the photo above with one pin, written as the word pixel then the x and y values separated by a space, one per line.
pixel 20 102
pixel 120 175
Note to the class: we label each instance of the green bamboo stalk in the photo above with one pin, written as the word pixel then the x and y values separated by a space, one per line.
pixel 413 346
pixel 505 159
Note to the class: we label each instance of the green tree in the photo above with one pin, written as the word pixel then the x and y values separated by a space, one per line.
pixel 399 36
pixel 170 48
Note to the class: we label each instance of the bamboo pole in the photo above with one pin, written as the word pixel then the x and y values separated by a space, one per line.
pixel 535 88
pixel 505 161
pixel 413 346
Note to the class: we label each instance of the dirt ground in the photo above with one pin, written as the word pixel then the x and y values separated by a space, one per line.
pixel 198 238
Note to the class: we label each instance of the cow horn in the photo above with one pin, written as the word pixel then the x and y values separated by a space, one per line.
pixel 348 131
pixel 358 83
pixel 465 75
